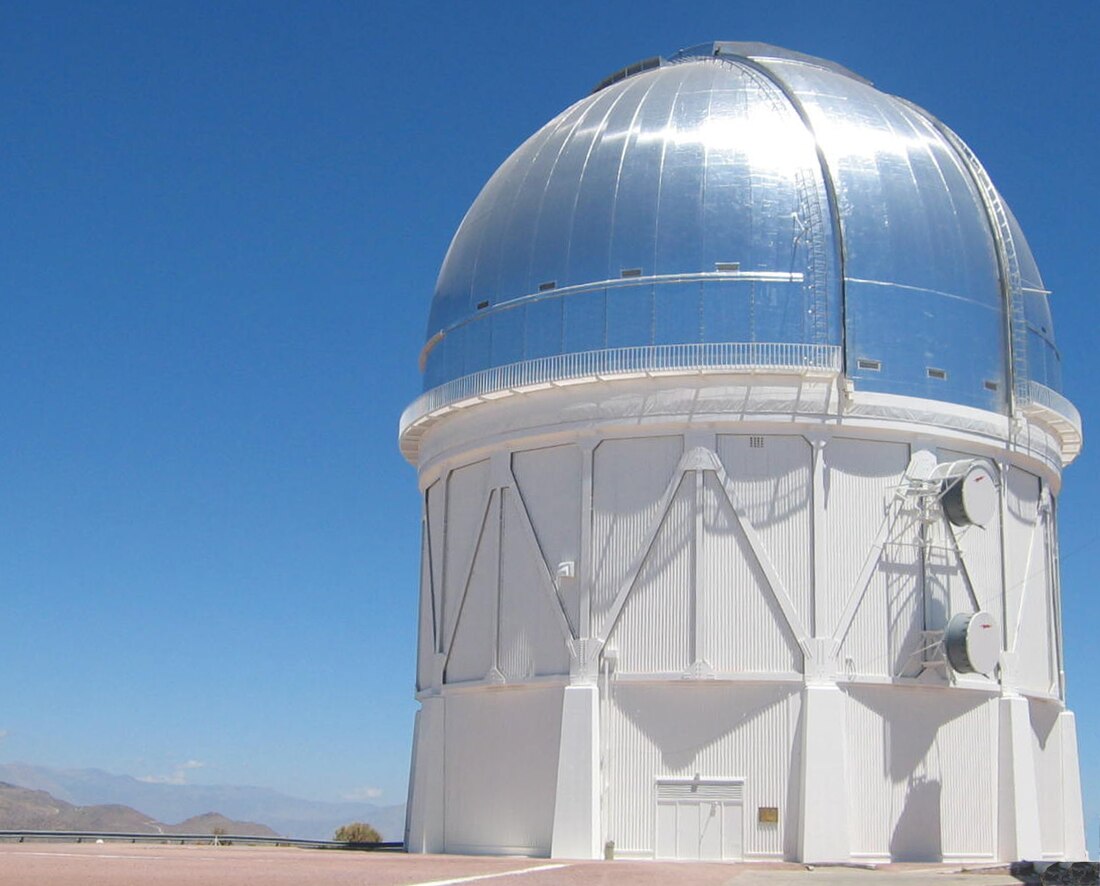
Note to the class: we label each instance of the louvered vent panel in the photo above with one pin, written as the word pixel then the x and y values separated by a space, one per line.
pixel 701 790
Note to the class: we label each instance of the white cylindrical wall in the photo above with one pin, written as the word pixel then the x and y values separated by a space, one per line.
pixel 701 574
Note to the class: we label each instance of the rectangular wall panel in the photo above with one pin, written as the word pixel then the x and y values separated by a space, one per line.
pixel 629 480
pixel 436 528
pixel 1021 491
pixel 531 640
pixel 710 730
pixel 861 482
pixel 1036 664
pixel 1029 589
pixel 654 632
pixel 773 478
pixel 501 770
pixel 467 488
pixel 549 482
pixel 471 655
pixel 743 628
pixel 921 774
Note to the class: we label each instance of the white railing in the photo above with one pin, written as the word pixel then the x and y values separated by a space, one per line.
pixel 1041 395
pixel 610 362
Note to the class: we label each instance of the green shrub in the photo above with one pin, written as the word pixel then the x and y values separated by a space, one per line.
pixel 357 832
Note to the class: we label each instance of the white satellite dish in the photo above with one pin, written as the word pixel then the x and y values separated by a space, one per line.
pixel 972 642
pixel 970 499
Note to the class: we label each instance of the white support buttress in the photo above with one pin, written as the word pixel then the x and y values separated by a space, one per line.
pixel 1020 836
pixel 823 826
pixel 1073 816
pixel 577 808
pixel 424 829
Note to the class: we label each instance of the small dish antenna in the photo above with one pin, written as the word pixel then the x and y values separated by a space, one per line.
pixel 972 642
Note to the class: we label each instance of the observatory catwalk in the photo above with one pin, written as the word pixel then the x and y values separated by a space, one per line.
pixel 739 450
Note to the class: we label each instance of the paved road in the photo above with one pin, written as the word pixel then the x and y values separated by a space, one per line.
pixel 125 864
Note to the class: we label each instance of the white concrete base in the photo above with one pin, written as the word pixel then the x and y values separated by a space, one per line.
pixel 823 828
pixel 577 807
pixel 1020 836
pixel 424 825
pixel 1073 815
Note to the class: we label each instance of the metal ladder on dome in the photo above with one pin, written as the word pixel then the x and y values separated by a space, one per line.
pixel 812 227
pixel 1006 252
pixel 1018 324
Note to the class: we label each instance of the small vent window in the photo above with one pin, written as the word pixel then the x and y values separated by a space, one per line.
pixel 630 272
pixel 730 791
pixel 941 374
pixel 991 385
pixel 548 285
pixel 482 305
pixel 872 365
pixel 727 266
pixel 756 442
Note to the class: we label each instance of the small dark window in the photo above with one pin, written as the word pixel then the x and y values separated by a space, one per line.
pixel 756 442
pixel 547 286
pixel 991 385
pixel 727 266
pixel 873 365
pixel 631 272
pixel 937 373
pixel 481 305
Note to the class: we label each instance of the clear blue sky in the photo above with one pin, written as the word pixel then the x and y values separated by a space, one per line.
pixel 220 225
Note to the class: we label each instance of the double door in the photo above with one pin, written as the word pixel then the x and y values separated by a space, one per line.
pixel 700 820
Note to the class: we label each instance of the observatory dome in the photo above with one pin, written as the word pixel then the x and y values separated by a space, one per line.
pixel 741 194
pixel 738 459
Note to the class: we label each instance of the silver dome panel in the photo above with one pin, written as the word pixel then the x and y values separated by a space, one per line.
pixel 700 201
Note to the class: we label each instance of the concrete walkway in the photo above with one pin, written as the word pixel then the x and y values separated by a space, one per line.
pixel 125 864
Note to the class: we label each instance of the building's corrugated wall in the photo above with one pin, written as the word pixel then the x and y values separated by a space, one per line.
pixel 467 487
pixel 710 730
pixel 549 482
pixel 742 626
pixel 655 632
pixel 702 606
pixel 922 770
pixel 1047 747
pixel 501 770
pixel 529 639
pixel 861 480
pixel 1029 586
pixel 475 600
pixel 629 481
pixel 771 474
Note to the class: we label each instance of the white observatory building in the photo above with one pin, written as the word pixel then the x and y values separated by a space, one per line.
pixel 739 451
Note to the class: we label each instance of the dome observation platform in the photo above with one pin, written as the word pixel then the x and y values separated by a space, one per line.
pixel 742 207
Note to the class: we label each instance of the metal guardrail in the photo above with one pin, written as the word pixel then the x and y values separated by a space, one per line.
pixel 649 359
pixel 213 839
pixel 672 359
pixel 1044 396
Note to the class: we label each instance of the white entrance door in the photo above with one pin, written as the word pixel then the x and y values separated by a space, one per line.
pixel 700 820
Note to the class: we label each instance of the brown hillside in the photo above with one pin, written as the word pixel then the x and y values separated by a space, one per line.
pixel 209 822
pixel 22 809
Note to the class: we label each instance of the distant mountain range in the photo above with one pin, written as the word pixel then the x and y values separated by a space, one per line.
pixel 288 816
pixel 30 810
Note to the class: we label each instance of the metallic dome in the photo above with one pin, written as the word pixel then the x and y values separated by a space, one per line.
pixel 741 193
